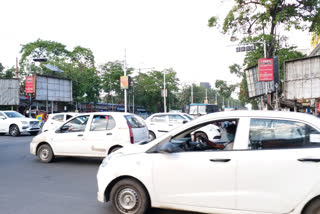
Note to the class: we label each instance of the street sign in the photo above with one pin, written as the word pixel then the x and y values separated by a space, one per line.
pixel 29 85
pixel 245 48
pixel 265 67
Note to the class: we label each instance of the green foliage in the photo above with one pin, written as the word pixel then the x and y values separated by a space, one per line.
pixel 147 89
pixel 78 65
pixel 264 17
pixel 7 73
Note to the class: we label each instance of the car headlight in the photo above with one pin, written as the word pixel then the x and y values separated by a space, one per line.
pixel 107 159
pixel 24 122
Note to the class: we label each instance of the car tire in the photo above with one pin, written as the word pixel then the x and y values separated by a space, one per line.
pixel 1 134
pixel 45 153
pixel 313 207
pixel 14 131
pixel 202 134
pixel 34 133
pixel 114 149
pixel 151 136
pixel 129 197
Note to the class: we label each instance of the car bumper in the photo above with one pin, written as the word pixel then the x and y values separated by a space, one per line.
pixel 28 129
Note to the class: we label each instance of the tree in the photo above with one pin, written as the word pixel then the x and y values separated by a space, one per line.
pixel 78 65
pixel 7 73
pixel 51 50
pixel 265 17
pixel 147 89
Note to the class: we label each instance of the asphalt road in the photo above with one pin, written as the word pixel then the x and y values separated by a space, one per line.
pixel 67 185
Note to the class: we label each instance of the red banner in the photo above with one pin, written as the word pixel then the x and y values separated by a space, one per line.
pixel 265 69
pixel 29 85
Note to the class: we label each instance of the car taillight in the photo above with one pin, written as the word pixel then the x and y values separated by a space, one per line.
pixel 131 134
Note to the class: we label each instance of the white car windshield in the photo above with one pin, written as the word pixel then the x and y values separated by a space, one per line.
pixel 13 114
pixel 187 116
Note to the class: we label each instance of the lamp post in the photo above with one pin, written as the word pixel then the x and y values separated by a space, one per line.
pixel 164 92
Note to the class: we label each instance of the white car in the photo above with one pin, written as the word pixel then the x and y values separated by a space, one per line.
pixel 90 134
pixel 161 123
pixel 57 119
pixel 271 167
pixel 14 123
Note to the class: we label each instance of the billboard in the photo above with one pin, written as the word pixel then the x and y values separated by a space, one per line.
pixel 259 88
pixel 9 92
pixel 265 69
pixel 53 88
pixel 29 85
pixel 302 78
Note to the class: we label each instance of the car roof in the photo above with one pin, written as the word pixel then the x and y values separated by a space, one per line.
pixel 260 113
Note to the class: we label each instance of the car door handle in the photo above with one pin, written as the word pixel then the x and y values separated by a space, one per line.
pixel 309 159
pixel 220 160
pixel 80 135
pixel 109 134
pixel 170 125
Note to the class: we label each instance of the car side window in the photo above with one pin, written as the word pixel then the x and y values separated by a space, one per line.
pixel 175 118
pixel 281 134
pixel 135 122
pixel 1 114
pixel 159 119
pixel 58 118
pixel 102 123
pixel 77 124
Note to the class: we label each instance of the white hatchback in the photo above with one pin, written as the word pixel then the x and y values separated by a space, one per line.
pixel 161 123
pixel 57 119
pixel 272 166
pixel 90 134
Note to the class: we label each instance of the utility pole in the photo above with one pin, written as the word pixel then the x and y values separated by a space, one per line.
pixel 191 93
pixel 125 74
pixel 164 92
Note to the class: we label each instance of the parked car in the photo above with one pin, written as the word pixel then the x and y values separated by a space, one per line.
pixel 161 123
pixel 90 134
pixel 14 123
pixel 272 167
pixel 56 120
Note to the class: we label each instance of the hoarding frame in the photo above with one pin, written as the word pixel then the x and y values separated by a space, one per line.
pixel 49 88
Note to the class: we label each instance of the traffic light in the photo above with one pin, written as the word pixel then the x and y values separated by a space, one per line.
pixel 28 97
pixel 40 60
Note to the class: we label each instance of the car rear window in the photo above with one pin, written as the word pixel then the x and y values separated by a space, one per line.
pixel 134 121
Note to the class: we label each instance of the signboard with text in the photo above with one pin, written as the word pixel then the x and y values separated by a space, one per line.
pixel 265 69
pixel 29 85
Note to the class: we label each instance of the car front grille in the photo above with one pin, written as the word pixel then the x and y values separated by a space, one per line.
pixel 34 124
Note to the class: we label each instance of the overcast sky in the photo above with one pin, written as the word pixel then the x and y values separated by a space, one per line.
pixel 160 34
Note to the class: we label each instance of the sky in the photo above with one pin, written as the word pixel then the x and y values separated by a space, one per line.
pixel 154 34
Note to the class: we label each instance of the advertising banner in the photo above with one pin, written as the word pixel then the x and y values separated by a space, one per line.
pixel 29 85
pixel 265 69
pixel 124 82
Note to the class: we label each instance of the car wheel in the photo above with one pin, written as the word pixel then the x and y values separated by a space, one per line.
pixel 14 130
pixel 45 153
pixel 129 197
pixel 313 207
pixel 200 134
pixel 152 136
pixel 34 133
pixel 114 149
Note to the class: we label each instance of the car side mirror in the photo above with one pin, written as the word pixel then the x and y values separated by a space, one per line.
pixel 2 117
pixel 184 121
